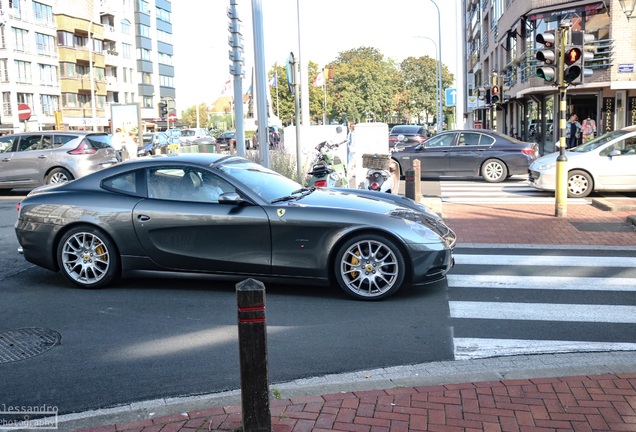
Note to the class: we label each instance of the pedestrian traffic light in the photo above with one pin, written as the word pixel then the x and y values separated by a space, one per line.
pixel 549 56
pixel 494 95
pixel 163 109
pixel 576 56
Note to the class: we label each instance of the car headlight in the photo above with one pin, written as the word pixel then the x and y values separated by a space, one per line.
pixel 543 166
pixel 417 223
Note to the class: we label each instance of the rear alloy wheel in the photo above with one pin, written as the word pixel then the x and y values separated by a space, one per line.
pixel 370 267
pixel 58 175
pixel 87 257
pixel 494 171
pixel 580 184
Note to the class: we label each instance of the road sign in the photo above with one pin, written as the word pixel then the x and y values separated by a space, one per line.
pixel 451 97
pixel 172 117
pixel 24 112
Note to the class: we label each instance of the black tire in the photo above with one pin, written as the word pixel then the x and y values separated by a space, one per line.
pixel 58 175
pixel 369 267
pixel 88 258
pixel 494 171
pixel 580 184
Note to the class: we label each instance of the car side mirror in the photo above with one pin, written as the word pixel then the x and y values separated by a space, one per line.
pixel 615 153
pixel 230 198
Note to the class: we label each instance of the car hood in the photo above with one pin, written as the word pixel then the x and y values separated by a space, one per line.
pixel 552 157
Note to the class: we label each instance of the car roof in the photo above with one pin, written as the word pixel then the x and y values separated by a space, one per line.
pixel 78 133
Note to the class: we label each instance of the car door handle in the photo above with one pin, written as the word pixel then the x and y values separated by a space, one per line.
pixel 42 157
pixel 143 218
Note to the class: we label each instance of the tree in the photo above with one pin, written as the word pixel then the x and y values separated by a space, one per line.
pixel 363 86
pixel 189 116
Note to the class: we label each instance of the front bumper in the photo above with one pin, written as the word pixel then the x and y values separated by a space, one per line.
pixel 543 180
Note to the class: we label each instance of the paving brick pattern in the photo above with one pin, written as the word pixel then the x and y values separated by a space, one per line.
pixel 537 224
pixel 577 403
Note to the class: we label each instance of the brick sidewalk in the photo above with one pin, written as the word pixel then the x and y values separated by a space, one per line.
pixel 578 403
pixel 536 224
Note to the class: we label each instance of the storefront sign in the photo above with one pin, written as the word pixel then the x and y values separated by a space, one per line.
pixel 631 115
pixel 608 114
pixel 626 68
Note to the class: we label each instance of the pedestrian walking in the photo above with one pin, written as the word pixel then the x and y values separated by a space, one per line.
pixel 117 141
pixel 573 132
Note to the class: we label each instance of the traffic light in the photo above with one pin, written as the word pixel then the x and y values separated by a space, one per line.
pixel 575 58
pixel 494 95
pixel 549 55
pixel 487 96
pixel 163 109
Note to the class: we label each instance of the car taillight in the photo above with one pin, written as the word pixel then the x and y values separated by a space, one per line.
pixel 321 183
pixel 83 149
pixel 528 151
pixel 18 206
pixel 419 139
pixel 392 139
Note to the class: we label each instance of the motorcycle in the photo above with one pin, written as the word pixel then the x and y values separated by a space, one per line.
pixel 328 168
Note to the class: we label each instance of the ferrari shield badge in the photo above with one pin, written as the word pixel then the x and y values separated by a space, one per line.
pixel 280 212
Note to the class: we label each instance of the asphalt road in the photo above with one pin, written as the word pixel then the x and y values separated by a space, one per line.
pixel 150 338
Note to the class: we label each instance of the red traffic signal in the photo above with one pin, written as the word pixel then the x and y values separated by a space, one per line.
pixel 572 56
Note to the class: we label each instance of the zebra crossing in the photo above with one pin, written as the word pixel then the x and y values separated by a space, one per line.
pixel 532 301
pixel 514 190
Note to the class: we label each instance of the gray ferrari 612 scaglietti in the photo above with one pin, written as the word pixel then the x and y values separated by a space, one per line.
pixel 230 218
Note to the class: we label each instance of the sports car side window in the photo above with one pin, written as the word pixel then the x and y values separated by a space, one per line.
pixel 191 185
pixel 125 183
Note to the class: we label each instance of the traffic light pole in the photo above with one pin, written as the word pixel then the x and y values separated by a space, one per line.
pixel 561 205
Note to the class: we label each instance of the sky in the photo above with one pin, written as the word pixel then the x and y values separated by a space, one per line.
pixel 397 28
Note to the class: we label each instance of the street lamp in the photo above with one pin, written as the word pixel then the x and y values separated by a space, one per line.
pixel 628 7
pixel 440 121
pixel 438 78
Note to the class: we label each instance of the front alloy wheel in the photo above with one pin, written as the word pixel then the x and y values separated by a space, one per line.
pixel 87 257
pixel 579 184
pixel 370 267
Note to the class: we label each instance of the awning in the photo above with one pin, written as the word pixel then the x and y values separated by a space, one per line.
pixel 556 11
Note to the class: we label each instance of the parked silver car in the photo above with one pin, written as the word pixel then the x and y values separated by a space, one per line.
pixel 31 159
pixel 607 163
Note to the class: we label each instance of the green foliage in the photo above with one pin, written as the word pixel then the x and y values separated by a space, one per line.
pixel 365 87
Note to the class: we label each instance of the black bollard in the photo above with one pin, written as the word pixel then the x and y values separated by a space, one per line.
pixel 409 184
pixel 250 299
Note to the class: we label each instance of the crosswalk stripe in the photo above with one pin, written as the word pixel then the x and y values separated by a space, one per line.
pixel 560 283
pixel 543 260
pixel 467 348
pixel 543 312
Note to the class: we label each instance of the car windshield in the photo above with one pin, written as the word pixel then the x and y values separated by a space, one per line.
pixel 267 183
pixel 598 141
pixel 187 132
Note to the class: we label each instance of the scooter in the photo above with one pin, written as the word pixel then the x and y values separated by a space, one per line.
pixel 328 168
pixel 382 172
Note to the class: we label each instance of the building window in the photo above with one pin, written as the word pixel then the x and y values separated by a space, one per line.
pixel 145 78
pixel 65 38
pixel 20 39
pixel 163 36
pixel 45 44
pixel 48 75
pixel 43 13
pixel 148 102
pixel 4 71
pixel 126 51
pixel 142 6
pixel 23 69
pixel 79 41
pixel 49 103
pixel 67 69
pixel 125 26
pixel 166 81
pixel 163 15
pixel 69 100
pixel 143 54
pixel 165 59
pixel 143 30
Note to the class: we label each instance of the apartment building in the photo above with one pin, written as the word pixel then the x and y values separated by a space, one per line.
pixel 70 61
pixel 501 47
